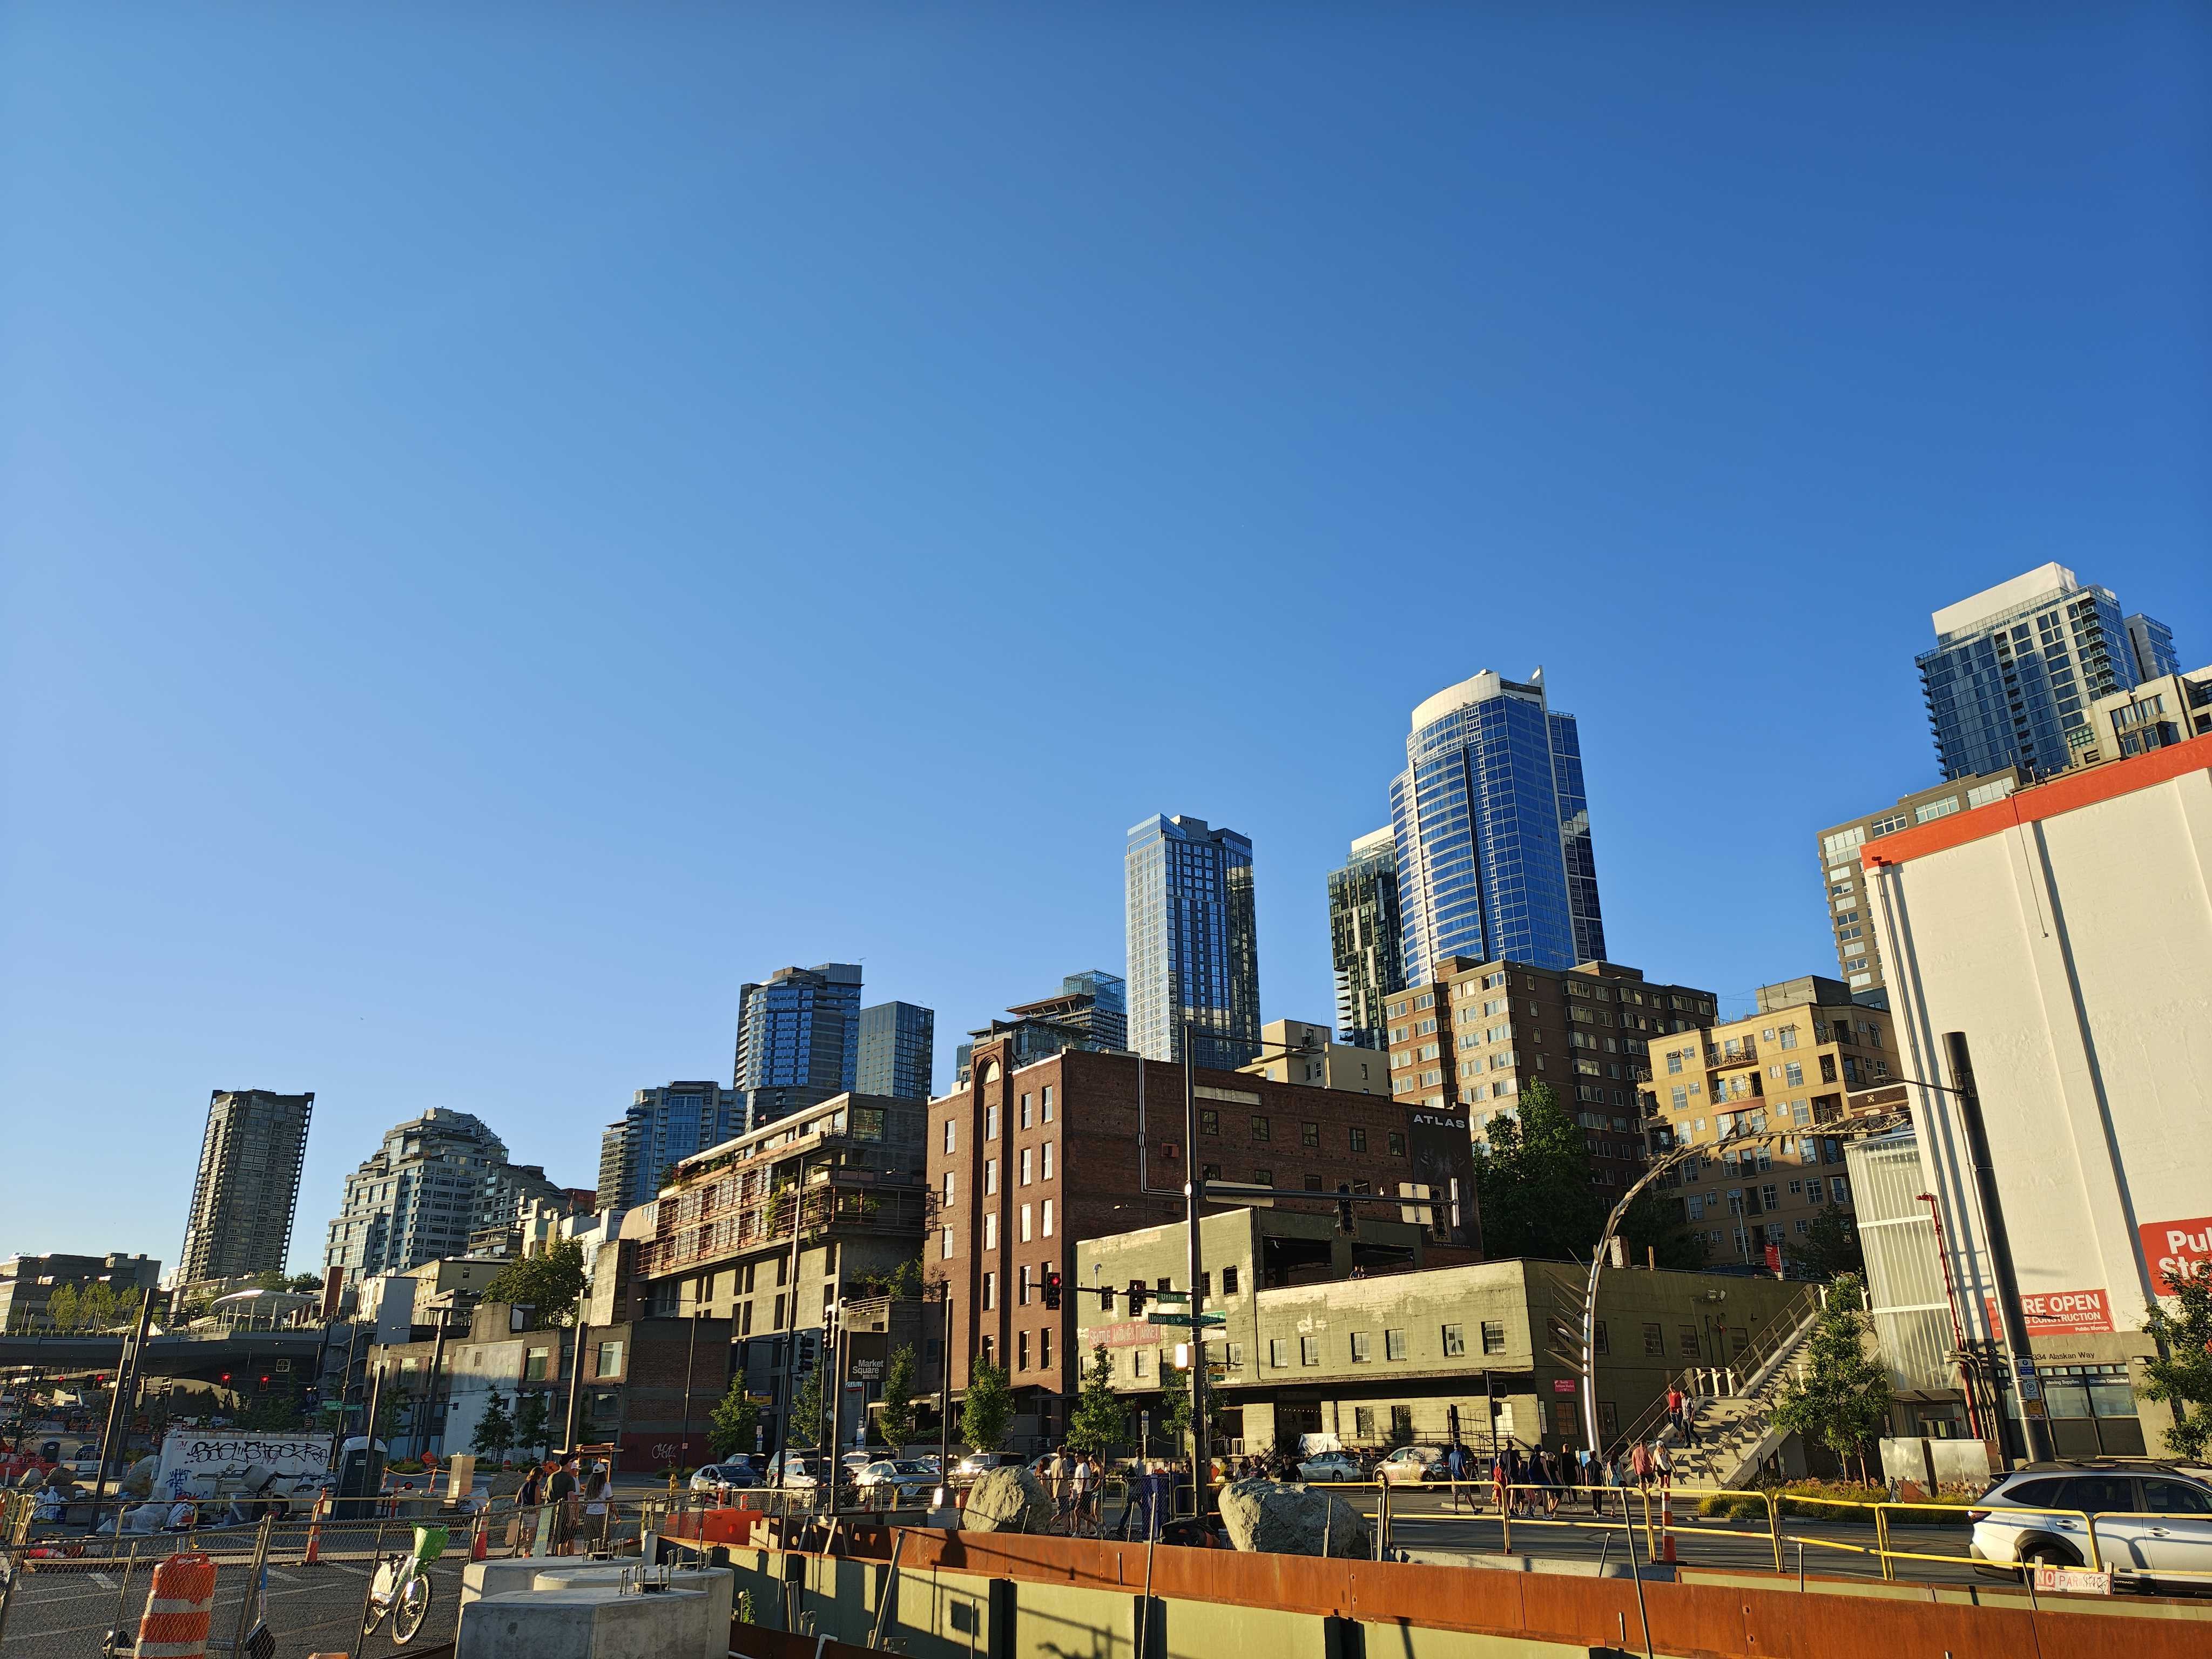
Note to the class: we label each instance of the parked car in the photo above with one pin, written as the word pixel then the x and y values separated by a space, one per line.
pixel 899 1480
pixel 1331 1465
pixel 1413 1464
pixel 737 1471
pixel 2160 1522
pixel 977 1464
pixel 798 1473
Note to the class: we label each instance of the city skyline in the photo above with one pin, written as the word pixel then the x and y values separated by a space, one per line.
pixel 1701 365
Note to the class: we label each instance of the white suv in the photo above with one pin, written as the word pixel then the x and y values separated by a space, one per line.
pixel 2153 1525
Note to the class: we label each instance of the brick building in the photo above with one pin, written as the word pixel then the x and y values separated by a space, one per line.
pixel 1025 1163
pixel 1470 1041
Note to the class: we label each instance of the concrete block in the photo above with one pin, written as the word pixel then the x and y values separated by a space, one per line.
pixel 583 1622
pixel 498 1578
pixel 1566 1565
pixel 717 1584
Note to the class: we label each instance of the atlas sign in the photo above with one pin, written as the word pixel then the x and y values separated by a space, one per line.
pixel 2176 1247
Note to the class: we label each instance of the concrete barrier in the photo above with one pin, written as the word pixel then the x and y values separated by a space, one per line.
pixel 482 1578
pixel 588 1621
pixel 715 1583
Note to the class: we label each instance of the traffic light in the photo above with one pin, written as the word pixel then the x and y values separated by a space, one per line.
pixel 1344 1208
pixel 1136 1298
pixel 1105 1298
pixel 264 1382
pixel 1052 1288
pixel 226 1379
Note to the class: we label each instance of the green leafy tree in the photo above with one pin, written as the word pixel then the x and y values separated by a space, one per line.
pixel 735 1422
pixel 896 1420
pixel 269 1280
pixel 1100 1421
pixel 1534 1180
pixel 276 1414
pixel 95 1306
pixel 533 1423
pixel 1830 1248
pixel 804 1428
pixel 1841 1398
pixel 495 1428
pixel 551 1284
pixel 988 1409
pixel 304 1283
pixel 1654 1222
pixel 1178 1409
pixel 2181 1376
pixel 61 1308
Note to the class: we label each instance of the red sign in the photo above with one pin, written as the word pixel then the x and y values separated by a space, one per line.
pixel 1563 1385
pixel 2059 1313
pixel 1129 1334
pixel 2176 1247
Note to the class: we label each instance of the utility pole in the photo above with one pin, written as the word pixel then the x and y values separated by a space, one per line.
pixel 575 1384
pixel 791 1329
pixel 1201 1461
pixel 945 1388
pixel 119 1404
pixel 690 1356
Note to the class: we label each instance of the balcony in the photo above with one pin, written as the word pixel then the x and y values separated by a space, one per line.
pixel 1720 1059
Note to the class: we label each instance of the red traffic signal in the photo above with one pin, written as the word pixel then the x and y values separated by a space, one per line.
pixel 1052 1288
pixel 226 1376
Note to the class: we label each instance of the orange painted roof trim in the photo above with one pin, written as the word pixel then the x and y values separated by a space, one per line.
pixel 2067 792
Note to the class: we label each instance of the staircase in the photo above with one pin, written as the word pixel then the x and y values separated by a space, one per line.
pixel 1731 1405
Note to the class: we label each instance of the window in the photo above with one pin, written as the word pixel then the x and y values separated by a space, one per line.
pixel 1026 1224
pixel 1047 1218
pixel 1228 1281
pixel 947 1245
pixel 610 1359
pixel 990 1230
pixel 1362 1347
pixel 991 1122
pixel 948 1186
pixel 1046 1160
pixel 1600 1341
pixel 1021 1351
pixel 1235 1356
pixel 1048 1102
pixel 1309 1351
pixel 1493 1336
pixel 1209 1172
pixel 1022 1287
pixel 1263 1177
pixel 1359 1140
pixel 1363 1422
pixel 1686 1338
pixel 1309 1134
pixel 1455 1342
pixel 1044 1349
pixel 990 1291
pixel 1025 1166
pixel 1655 1342
pixel 779 1313
pixel 1397 1144
pixel 1026 1112
pixel 990 1174
pixel 1140 1363
pixel 1394 1345
pixel 1278 1351
pixel 1209 1121
pixel 1793 1075
pixel 949 1135
pixel 1259 1126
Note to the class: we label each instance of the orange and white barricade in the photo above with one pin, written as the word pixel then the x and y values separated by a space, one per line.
pixel 179 1608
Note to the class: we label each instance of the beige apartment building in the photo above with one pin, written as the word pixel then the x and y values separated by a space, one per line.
pixel 2159 713
pixel 1471 1041
pixel 1298 1051
pixel 1810 1060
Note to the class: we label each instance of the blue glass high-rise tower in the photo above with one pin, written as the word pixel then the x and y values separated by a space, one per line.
pixel 1492 831
pixel 898 1042
pixel 799 1039
pixel 1194 949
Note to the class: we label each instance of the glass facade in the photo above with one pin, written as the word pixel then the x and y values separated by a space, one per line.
pixel 1491 827
pixel 897 1051
pixel 662 1126
pixel 1366 949
pixel 798 1039
pixel 1193 950
pixel 2014 672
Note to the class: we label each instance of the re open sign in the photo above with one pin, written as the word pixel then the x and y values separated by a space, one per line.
pixel 2176 1247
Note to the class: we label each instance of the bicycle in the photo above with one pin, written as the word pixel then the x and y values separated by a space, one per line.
pixel 401 1588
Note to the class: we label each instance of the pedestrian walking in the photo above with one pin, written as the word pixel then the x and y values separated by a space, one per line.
pixel 561 1493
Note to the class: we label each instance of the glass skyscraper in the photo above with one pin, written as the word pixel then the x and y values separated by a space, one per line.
pixel 662 1127
pixel 2015 667
pixel 1492 831
pixel 799 1039
pixel 898 1051
pixel 1193 943
pixel 1366 942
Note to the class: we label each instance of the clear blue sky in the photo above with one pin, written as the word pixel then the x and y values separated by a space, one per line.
pixel 518 519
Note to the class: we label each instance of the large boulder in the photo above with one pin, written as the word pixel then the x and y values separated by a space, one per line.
pixel 1007 1500
pixel 139 1483
pixel 1282 1519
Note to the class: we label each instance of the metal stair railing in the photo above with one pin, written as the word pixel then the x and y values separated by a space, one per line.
pixel 1770 1346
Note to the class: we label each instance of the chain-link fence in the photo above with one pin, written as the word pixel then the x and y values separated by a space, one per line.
pixel 309 1583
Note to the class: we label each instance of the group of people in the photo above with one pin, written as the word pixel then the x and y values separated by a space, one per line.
pixel 581 1499
pixel 1524 1482
pixel 1075 1480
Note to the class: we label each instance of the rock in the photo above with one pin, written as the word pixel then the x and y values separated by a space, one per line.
pixel 1007 1500
pixel 139 1483
pixel 1276 1519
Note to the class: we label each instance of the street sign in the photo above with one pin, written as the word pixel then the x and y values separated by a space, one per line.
pixel 1171 1296
pixel 1188 1319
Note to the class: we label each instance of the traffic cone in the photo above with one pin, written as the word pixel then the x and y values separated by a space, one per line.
pixel 479 1539
pixel 314 1550
pixel 1666 1526
pixel 178 1609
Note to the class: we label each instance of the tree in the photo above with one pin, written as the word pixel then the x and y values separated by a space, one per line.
pixel 1177 1410
pixel 494 1429
pixel 988 1409
pixel 550 1284
pixel 269 1280
pixel 1534 1180
pixel 2181 1376
pixel 61 1308
pixel 1100 1421
pixel 1841 1398
pixel 896 1420
pixel 735 1424
pixel 304 1283
pixel 1830 1248
pixel 804 1428
pixel 95 1306
pixel 271 1413
pixel 1654 1223
pixel 532 1422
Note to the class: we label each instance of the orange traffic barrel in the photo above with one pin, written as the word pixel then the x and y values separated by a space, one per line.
pixel 177 1609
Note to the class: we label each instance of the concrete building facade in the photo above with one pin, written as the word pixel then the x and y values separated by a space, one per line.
pixel 1298 1051
pixel 435 1180
pixel 2064 934
pixel 1473 1038
pixel 247 1186
pixel 27 1283
pixel 1394 1352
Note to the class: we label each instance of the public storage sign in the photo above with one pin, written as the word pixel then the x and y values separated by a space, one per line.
pixel 2060 1313
pixel 2176 1247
